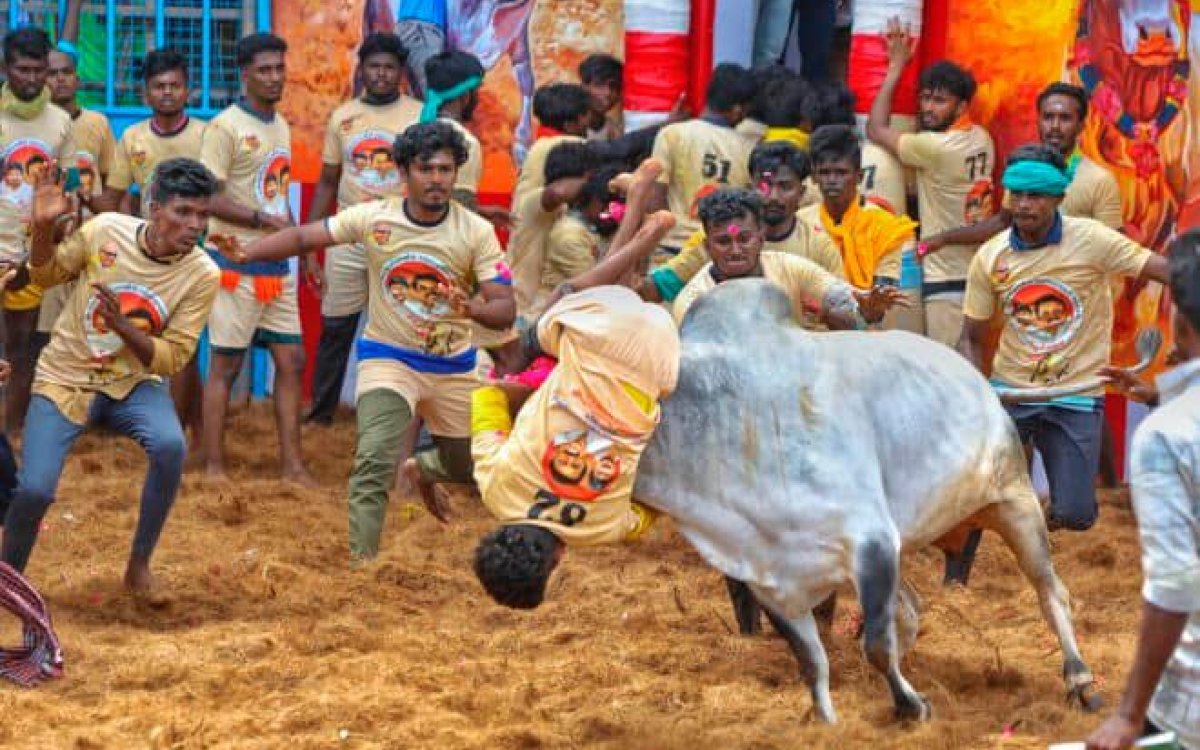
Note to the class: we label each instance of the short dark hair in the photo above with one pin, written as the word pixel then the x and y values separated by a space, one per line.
pixel 764 76
pixel 833 104
pixel 445 70
pixel 164 60
pixel 514 563
pixel 186 178
pixel 569 160
pixel 596 188
pixel 730 85
pixel 27 41
pixel 382 42
pixel 249 47
pixel 14 165
pixel 600 68
pixel 422 140
pixel 769 156
pixel 559 104
pixel 946 76
pixel 1185 276
pixel 1038 152
pixel 786 103
pixel 834 143
pixel 35 159
pixel 727 204
pixel 1059 88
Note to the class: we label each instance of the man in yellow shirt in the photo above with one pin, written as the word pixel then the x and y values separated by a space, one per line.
pixel 426 256
pixel 357 128
pixel 1049 277
pixel 247 146
pixel 953 158
pixel 143 292
pixel 34 133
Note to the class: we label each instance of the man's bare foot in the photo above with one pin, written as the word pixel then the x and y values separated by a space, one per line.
pixel 298 475
pixel 143 586
pixel 654 228
pixel 435 502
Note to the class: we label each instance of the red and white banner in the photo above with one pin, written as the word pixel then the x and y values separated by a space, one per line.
pixel 868 53
pixel 657 46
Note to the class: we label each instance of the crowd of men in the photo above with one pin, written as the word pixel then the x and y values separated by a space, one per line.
pixel 537 370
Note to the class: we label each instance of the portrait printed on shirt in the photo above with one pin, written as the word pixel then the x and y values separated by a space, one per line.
pixel 272 182
pixel 580 464
pixel 24 160
pixel 144 308
pixel 369 157
pixel 1045 314
pixel 414 286
pixel 88 182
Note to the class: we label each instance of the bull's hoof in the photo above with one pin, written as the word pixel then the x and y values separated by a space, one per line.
pixel 917 708
pixel 1086 698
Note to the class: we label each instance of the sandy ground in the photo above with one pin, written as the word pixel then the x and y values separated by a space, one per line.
pixel 273 642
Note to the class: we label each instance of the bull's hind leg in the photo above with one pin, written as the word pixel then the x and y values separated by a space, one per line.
pixel 805 641
pixel 877 575
pixel 745 606
pixel 1020 522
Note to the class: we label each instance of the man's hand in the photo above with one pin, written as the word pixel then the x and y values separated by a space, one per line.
pixel 274 223
pixel 230 247
pixel 498 215
pixel 1129 384
pixel 901 44
pixel 874 303
pixel 50 202
pixel 1117 733
pixel 314 275
pixel 459 302
pixel 928 247
pixel 679 111
pixel 8 272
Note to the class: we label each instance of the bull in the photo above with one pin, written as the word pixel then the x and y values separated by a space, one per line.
pixel 794 462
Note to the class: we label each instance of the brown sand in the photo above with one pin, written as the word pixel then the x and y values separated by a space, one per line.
pixel 272 642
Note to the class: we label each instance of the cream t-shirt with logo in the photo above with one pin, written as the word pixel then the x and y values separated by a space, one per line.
pixel 1056 302
pixel 141 150
pixel 253 158
pixel 28 146
pixel 698 157
pixel 359 139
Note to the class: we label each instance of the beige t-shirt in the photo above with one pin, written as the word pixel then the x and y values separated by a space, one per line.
pixel 579 438
pixel 406 264
pixel 883 178
pixel 803 242
pixel 954 188
pixel 359 139
pixel 697 158
pixel 1094 194
pixel 253 158
pixel 95 148
pixel 527 251
pixel 169 298
pixel 470 173
pixel 1056 301
pixel 533 171
pixel 141 150
pixel 25 146
pixel 571 249
pixel 806 283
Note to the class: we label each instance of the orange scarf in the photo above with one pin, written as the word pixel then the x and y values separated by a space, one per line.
pixel 865 237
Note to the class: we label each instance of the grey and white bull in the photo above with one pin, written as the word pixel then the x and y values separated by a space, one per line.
pixel 795 462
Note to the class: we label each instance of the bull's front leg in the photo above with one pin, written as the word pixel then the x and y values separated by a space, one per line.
pixel 877 576
pixel 522 61
pixel 805 641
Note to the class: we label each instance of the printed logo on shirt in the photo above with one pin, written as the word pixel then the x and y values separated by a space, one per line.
pixel 978 205
pixel 369 156
pixel 580 464
pixel 106 256
pixel 144 308
pixel 86 163
pixel 1000 271
pixel 381 233
pixel 271 183
pixel 251 141
pixel 24 160
pixel 413 283
pixel 1045 313
pixel 138 157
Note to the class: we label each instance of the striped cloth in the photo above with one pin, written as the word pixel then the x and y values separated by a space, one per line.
pixel 39 658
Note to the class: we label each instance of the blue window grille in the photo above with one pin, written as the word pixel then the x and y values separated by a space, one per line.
pixel 115 35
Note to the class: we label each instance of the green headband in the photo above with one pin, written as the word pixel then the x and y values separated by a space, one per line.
pixel 435 99
pixel 1036 177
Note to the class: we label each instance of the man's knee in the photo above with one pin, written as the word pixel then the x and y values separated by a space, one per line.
pixel 167 448
pixel 289 359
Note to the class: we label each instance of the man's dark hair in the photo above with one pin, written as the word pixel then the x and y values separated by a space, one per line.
pixel 424 139
pixel 569 160
pixel 186 178
pixel 726 204
pixel 560 104
pixel 1038 152
pixel 26 41
pixel 164 60
pixel 514 563
pixel 730 85
pixel 832 104
pixel 382 42
pixel 946 76
pixel 600 69
pixel 835 143
pixel 14 165
pixel 445 70
pixel 596 187
pixel 1059 88
pixel 770 156
pixel 786 104
pixel 1185 276
pixel 249 47
pixel 35 159
pixel 764 76
pixel 271 178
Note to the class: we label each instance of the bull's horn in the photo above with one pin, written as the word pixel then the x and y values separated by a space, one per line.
pixel 1148 343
